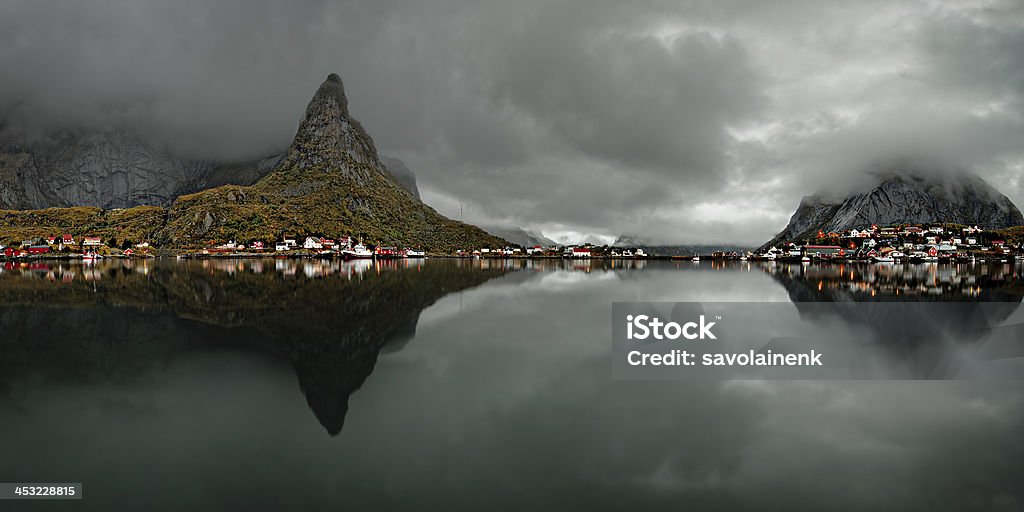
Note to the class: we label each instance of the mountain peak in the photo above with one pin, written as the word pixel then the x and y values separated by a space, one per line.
pixel 329 139
pixel 333 88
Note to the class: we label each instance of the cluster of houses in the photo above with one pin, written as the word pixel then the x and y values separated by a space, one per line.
pixel 320 246
pixel 62 244
pixel 585 251
pixel 898 243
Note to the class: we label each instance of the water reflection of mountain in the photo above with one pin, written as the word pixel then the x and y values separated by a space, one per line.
pixel 74 323
pixel 924 315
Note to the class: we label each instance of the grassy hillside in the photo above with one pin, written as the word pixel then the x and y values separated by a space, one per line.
pixel 133 224
pixel 315 202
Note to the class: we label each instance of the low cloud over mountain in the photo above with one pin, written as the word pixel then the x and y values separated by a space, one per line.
pixel 680 121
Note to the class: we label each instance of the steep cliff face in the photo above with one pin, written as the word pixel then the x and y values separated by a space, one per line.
pixel 905 195
pixel 107 169
pixel 331 182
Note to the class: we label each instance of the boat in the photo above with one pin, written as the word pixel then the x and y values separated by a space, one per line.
pixel 805 259
pixel 415 253
pixel 896 255
pixel 91 256
pixel 357 252
pixel 884 259
pixel 923 257
pixel 695 258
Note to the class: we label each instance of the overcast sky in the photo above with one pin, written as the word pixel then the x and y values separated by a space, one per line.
pixel 678 121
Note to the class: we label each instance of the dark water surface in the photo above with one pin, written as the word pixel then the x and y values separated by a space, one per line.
pixel 480 385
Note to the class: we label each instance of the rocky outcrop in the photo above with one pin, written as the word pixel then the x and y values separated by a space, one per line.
pixel 329 140
pixel 107 169
pixel 902 193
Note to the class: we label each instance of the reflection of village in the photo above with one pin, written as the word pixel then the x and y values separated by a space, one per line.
pixel 867 280
pixel 924 280
pixel 312 268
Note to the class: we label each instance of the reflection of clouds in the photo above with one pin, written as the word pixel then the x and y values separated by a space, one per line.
pixel 528 384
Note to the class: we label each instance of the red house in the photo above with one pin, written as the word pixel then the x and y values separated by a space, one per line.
pixel 39 249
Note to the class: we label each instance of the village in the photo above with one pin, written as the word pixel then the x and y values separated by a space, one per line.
pixel 89 247
pixel 901 243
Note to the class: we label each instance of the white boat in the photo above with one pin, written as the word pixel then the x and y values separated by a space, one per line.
pixel 896 255
pixel 91 256
pixel 358 251
pixel 884 259
pixel 696 258
pixel 923 257
pixel 805 259
pixel 415 253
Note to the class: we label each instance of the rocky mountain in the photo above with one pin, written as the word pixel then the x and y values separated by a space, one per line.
pixel 117 168
pixel 107 168
pixel 402 174
pixel 330 182
pixel 520 236
pixel 904 193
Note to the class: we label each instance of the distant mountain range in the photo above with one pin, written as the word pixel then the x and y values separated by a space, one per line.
pixel 903 192
pixel 520 236
pixel 633 241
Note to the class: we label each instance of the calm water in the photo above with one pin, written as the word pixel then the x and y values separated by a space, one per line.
pixel 308 385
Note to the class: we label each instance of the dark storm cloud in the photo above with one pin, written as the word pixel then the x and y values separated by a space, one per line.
pixel 678 121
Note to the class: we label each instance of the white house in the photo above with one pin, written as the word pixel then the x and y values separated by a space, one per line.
pixel 534 250
pixel 312 243
pixel 281 247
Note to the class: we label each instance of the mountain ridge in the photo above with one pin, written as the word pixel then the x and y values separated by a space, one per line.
pixel 903 194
